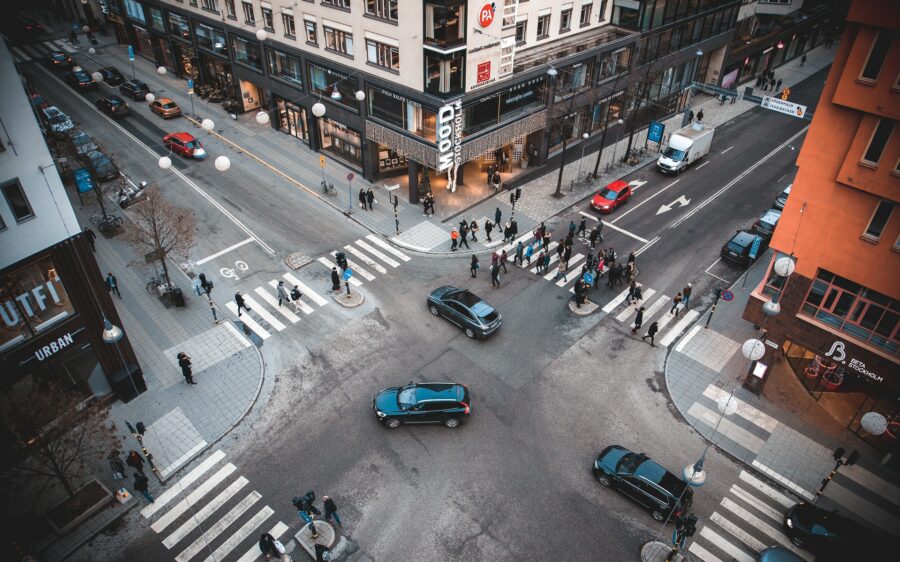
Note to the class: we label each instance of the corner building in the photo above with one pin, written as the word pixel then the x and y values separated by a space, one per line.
pixel 840 310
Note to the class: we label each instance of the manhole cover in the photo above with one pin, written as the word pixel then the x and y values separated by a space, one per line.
pixel 297 260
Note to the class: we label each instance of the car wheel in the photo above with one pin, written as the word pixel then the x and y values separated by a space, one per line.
pixel 798 542
pixel 470 332
pixel 392 423
pixel 434 310
pixel 451 423
pixel 603 479
pixel 658 515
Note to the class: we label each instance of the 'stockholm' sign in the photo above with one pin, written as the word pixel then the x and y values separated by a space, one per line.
pixel 449 140
pixel 782 106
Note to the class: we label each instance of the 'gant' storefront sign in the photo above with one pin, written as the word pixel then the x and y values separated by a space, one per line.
pixel 449 141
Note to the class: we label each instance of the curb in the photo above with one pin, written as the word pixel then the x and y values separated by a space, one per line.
pixel 354 299
pixel 587 308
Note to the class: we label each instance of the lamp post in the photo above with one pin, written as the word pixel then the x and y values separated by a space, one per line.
pixel 584 139
pixel 619 122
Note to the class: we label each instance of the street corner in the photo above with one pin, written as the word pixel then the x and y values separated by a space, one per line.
pixel 586 309
pixel 349 299
pixel 423 237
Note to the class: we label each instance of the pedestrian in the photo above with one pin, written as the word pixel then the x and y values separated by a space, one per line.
pixel 638 293
pixel 546 262
pixel 687 294
pixel 330 510
pixel 517 257
pixel 595 233
pixel 141 484
pixel 582 227
pixel 632 257
pixel 239 301
pixel 630 271
pixel 296 295
pixel 546 239
pixel 473 228
pixel 184 361
pixel 572 228
pixel 425 204
pixel 370 198
pixel 561 270
pixel 89 234
pixel 488 227
pixel 267 545
pixel 473 265
pixel 651 332
pixel 135 461
pixel 454 238
pixel 803 59
pixel 283 295
pixel 495 258
pixel 495 275
pixel 497 216
pixel 336 279
pixel 579 292
pixel 507 233
pixel 462 235
pixel 112 284
pixel 503 258
pixel 778 85
pixel 638 320
pixel 430 199
pixel 631 287
pixel 699 116
pixel 323 553
pixel 567 255
pixel 362 198
pixel 529 251
pixel 675 302
pixel 691 116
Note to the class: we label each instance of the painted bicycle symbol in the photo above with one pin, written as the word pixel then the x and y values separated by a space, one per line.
pixel 231 273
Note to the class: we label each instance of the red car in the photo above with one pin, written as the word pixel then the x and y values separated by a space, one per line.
pixel 612 196
pixel 184 144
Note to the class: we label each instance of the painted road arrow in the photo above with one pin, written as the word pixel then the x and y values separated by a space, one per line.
pixel 636 184
pixel 681 202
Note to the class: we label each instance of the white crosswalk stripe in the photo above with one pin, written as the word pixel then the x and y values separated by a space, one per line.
pixel 240 535
pixel 573 272
pixel 203 514
pixel 390 249
pixel 273 302
pixel 248 321
pixel 357 269
pixel 632 308
pixel 619 299
pixel 263 313
pixel 365 259
pixel 330 265
pixel 679 328
pixel 23 56
pixel 254 553
pixel 380 255
pixel 181 507
pixel 186 482
pixel 307 292
pixel 218 527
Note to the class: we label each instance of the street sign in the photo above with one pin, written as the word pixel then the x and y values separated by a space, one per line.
pixel 130 53
pixel 782 106
pixel 348 273
pixel 656 131
pixel 191 87
pixel 588 278
pixel 754 249
pixel 727 296
pixel 350 176
pixel 321 161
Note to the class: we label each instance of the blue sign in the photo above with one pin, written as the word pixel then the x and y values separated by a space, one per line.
pixel 130 53
pixel 754 249
pixel 655 133
pixel 727 296
pixel 588 278
pixel 191 87
pixel 348 273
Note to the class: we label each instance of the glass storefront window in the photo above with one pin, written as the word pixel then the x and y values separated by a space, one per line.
pixel 389 159
pixel 615 62
pixel 341 140
pixel 444 74
pixel 135 10
pixel 246 52
pixel 156 19
pixel 401 113
pixel 284 67
pixel 605 112
pixel 292 120
pixel 32 298
pixel 570 127
pixel 503 106
pixel 179 26
pixel 445 26
pixel 324 81
pixel 572 79
pixel 210 38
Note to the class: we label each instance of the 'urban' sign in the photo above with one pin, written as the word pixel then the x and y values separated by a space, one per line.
pixel 449 140
pixel 783 106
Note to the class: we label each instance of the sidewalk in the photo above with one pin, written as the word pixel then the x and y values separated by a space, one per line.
pixel 783 434
pixel 300 165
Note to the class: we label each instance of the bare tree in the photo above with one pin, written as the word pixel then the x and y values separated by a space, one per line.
pixel 162 229
pixel 52 434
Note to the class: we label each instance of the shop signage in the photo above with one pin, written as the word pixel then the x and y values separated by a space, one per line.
pixel 838 352
pixel 449 137
pixel 486 15
pixel 484 72
pixel 28 301
pixel 398 97
pixel 782 106
pixel 53 347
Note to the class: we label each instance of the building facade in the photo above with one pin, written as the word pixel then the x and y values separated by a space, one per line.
pixel 445 88
pixel 53 299
pixel 839 325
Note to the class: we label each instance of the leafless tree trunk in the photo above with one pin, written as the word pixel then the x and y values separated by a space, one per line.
pixel 162 229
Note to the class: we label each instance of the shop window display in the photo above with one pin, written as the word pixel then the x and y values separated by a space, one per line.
pixel 32 299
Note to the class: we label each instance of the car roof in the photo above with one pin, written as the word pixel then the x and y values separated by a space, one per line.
pixel 114 99
pixel 438 391
pixel 136 83
pixel 743 238
pixel 771 216
pixel 165 100
pixel 617 185
pixel 187 137
pixel 654 472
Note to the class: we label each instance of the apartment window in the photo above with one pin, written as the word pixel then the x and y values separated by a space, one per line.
pixel 229 9
pixel 325 82
pixel 17 201
pixel 387 56
pixel 880 48
pixel 602 14
pixel 211 5
pixel 879 141
pixel 345 4
pixel 445 26
pixel 193 3
pixel 521 28
pixel 284 66
pixel 246 52
pixel 585 18
pixel 249 16
pixel 543 26
pixel 339 41
pixel 268 20
pixel 565 20
pixel 879 220
pixel 287 20
pixel 573 78
pixel 311 36
pixel 384 9
pixel 444 74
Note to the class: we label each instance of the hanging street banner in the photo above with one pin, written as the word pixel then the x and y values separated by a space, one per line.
pixel 783 106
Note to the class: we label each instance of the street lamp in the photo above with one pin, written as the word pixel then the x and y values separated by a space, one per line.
pixel 318 109
pixel 261 34
pixel 584 139
pixel 262 118
pixel 619 122
pixel 222 163
pixel 112 334
pixel 208 124
pixel 784 267
pixel 165 162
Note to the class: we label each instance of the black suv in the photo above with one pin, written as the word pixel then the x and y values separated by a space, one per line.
pixel 114 106
pixel 430 402
pixel 830 535
pixel 737 250
pixel 644 481
pixel 135 89
pixel 111 75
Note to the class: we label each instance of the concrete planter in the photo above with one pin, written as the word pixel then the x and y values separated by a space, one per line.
pixel 72 512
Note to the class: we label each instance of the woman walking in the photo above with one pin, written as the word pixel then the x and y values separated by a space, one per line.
pixel 473 266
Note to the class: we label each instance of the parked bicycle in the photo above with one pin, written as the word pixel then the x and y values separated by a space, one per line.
pixel 158 286
pixel 328 187
pixel 106 222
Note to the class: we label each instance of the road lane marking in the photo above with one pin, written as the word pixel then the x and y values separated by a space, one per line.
pixel 200 516
pixel 362 244
pixel 388 247
pixel 223 252
pixel 249 322
pixel 632 308
pixel 570 274
pixel 769 491
pixel 239 536
pixel 745 410
pixel 762 507
pixel 305 290
pixel 273 302
pixel 741 176
pixel 746 538
pixel 625 232
pixel 706 271
pixel 331 265
pixel 727 428
pixel 366 259
pixel 182 484
pixel 703 164
pixel 687 338
pixel 770 531
pixel 253 554
pixel 702 553
pixel 727 149
pixel 638 206
pixel 644 248
pixel 303 306
pixel 679 328
pixel 723 544
pixel 357 269
pixel 611 305
pixel 264 314
pixel 218 527
pixel 181 507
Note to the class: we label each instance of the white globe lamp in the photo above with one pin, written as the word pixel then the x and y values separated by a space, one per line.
pixel 753 349
pixel 149 98
pixel 262 118
pixel 318 109
pixel 165 162
pixel 222 163
pixel 208 124
pixel 261 34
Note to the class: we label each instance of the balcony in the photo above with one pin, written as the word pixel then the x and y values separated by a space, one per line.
pixel 544 54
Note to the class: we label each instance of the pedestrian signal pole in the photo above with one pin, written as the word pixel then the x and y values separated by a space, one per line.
pixel 840 461
pixel 138 433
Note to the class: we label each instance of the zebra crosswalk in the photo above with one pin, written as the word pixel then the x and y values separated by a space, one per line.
pixel 38 51
pixel 210 510
pixel 747 520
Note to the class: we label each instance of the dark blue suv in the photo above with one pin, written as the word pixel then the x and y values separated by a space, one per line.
pixel 432 402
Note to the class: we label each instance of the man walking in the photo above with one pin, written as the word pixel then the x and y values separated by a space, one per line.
pixel 517 257
pixel 700 116
pixel 473 228
pixel 595 233
pixel 495 275
pixel 135 461
pixel 529 251
pixel 488 227
pixel 283 295
pixel 687 294
pixel 331 510
pixel 473 265
pixel 370 198
pixel 582 227
pixel 296 295
pixel 112 284
pixel 651 332
pixel 336 279
pixel 463 231
pixel 239 301
pixel 141 484
pixel 675 302
pixel 572 229
pixel 497 216
pixel 184 361
pixel 778 85
pixel 503 258
pixel 638 320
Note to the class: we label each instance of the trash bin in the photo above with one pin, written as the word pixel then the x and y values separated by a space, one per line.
pixel 177 297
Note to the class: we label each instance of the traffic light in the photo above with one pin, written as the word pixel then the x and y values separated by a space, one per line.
pixel 341 260
pixel 851 460
pixel 838 453
pixel 518 193
pixel 690 526
pixel 141 428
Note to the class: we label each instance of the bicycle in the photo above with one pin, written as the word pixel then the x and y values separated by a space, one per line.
pixel 158 285
pixel 106 222
pixel 328 187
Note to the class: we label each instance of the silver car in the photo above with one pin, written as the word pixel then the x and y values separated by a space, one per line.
pixel 57 121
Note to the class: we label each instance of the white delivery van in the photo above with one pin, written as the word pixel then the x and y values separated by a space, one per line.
pixel 686 146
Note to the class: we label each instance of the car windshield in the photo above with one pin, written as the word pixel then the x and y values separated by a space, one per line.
pixel 192 144
pixel 736 247
pixel 406 398
pixel 673 154
pixel 169 106
pixel 608 194
pixel 629 463
pixel 58 119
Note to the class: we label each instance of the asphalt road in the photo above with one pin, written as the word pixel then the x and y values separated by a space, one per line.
pixel 549 390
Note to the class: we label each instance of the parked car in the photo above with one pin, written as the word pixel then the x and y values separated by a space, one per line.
pixel 445 402
pixel 781 200
pixel 60 60
pixel 111 75
pixel 81 141
pixel 104 168
pixel 134 89
pixel 28 25
pixel 778 554
pixel 737 250
pixel 765 225
pixel 184 144
pixel 165 108
pixel 463 308
pixel 830 535
pixel 83 180
pixel 80 80
pixel 114 106
pixel 644 481
pixel 611 197
pixel 56 120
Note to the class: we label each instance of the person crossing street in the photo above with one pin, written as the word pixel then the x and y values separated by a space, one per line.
pixel 651 332
pixel 239 301
pixel 687 294
pixel 283 295
pixel 454 239
pixel 296 295
pixel 488 227
pixel 473 265
pixel 675 302
pixel 517 257
pixel 330 510
pixel 495 275
pixel 582 227
pixel 638 320
pixel 141 484
pixel 503 258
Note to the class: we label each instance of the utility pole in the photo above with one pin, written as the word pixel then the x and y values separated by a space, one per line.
pixel 840 461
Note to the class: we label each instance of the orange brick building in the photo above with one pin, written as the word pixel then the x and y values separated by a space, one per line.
pixel 840 310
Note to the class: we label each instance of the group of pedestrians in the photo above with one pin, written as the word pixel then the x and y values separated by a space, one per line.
pixel 767 82
pixel 367 199
pixel 683 297
pixel 468 230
